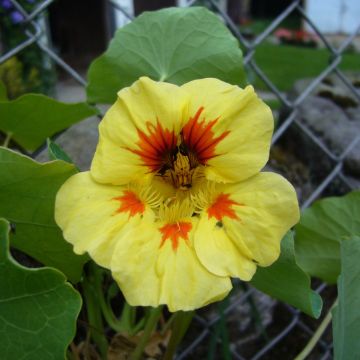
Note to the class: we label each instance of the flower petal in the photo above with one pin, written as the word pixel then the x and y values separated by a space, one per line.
pixel 92 216
pixel 136 131
pixel 218 253
pixel 151 271
pixel 267 208
pixel 241 126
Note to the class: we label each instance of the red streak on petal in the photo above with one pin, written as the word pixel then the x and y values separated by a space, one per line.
pixel 174 232
pixel 223 207
pixel 155 146
pixel 199 137
pixel 130 203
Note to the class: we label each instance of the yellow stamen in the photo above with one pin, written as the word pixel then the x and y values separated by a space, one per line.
pixel 203 196
pixel 182 174
pixel 176 211
pixel 146 194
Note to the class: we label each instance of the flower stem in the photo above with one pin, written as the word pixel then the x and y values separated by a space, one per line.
pixel 317 335
pixel 128 320
pixel 150 325
pixel 168 324
pixel 94 311
pixel 106 308
pixel 180 324
pixel 221 333
pixel 255 312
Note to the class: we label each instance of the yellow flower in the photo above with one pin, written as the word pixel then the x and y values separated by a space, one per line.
pixel 175 203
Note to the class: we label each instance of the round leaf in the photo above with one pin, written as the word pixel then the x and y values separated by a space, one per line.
pixel 175 45
pixel 320 231
pixel 38 309
pixel 346 315
pixel 27 198
pixel 285 281
pixel 32 118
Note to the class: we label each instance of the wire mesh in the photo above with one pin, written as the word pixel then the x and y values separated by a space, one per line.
pixel 294 319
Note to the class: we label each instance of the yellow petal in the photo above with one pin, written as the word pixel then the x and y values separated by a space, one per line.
pixel 151 272
pixel 243 118
pixel 88 213
pixel 268 209
pixel 139 108
pixel 218 253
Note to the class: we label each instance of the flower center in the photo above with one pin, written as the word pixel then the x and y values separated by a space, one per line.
pixel 181 169
pixel 179 159
pixel 182 172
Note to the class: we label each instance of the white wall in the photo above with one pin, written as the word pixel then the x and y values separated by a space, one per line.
pixel 182 3
pixel 128 5
pixel 334 16
pixel 120 18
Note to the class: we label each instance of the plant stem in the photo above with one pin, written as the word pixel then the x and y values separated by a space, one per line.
pixel 127 319
pixel 317 335
pixel 150 325
pixel 221 332
pixel 180 324
pixel 168 324
pixel 105 307
pixel 255 313
pixel 7 139
pixel 137 327
pixel 94 311
pixel 224 331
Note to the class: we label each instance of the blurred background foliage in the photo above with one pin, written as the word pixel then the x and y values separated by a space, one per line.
pixel 30 70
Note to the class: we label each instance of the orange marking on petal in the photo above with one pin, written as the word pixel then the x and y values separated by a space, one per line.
pixel 223 207
pixel 155 146
pixel 174 232
pixel 130 203
pixel 199 137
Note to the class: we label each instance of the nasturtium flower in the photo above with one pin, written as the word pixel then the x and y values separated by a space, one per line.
pixel 175 204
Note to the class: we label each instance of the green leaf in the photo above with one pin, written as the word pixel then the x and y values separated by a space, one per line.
pixel 175 45
pixel 321 229
pixel 3 93
pixel 56 152
pixel 285 281
pixel 38 309
pixel 346 315
pixel 27 197
pixel 32 118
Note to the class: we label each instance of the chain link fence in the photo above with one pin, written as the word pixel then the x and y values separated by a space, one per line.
pixel 292 329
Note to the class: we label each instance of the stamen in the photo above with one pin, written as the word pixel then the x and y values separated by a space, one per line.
pixel 147 194
pixel 204 196
pixel 176 210
pixel 136 197
pixel 182 173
